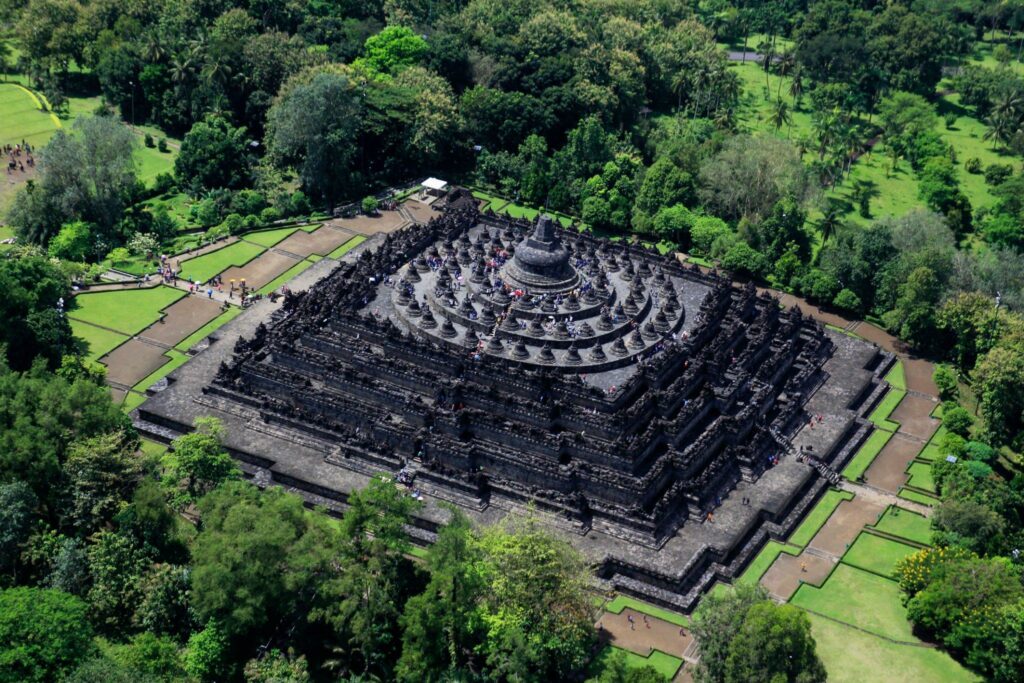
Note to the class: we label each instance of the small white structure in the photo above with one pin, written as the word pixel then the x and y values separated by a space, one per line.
pixel 435 187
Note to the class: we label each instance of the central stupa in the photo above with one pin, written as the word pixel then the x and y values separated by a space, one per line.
pixel 541 263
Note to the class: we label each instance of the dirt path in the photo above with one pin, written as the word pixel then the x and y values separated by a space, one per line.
pixel 644 634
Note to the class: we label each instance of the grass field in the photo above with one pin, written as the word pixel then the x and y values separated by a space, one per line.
pixel 921 476
pixel 877 554
pixel 132 400
pixel 867 453
pixel 758 99
pixel 932 451
pixel 127 311
pixel 764 559
pixel 880 415
pixel 906 524
pixel 897 376
pixel 347 247
pixel 22 117
pixel 268 238
pixel 665 664
pixel 621 602
pixel 207 329
pixel 100 341
pixel 204 267
pixel 817 517
pixel 921 498
pixel 861 599
pixel 852 656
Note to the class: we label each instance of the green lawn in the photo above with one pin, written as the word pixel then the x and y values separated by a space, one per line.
pixel 932 451
pixel 153 448
pixel 22 117
pixel 204 267
pixel 758 98
pixel 284 277
pixel 817 517
pixel 880 415
pixel 852 656
pixel 100 342
pixel 894 192
pixel 347 247
pixel 861 599
pixel 132 400
pixel 175 360
pixel 897 376
pixel 128 311
pixel 665 664
pixel 921 476
pixel 207 329
pixel 177 204
pixel 877 554
pixel 905 524
pixel 918 497
pixel 621 602
pixel 764 559
pixel 268 238
pixel 866 455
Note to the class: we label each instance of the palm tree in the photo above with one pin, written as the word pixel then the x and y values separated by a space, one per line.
pixel 1002 126
pixel 796 87
pixel 784 64
pixel 780 116
pixel 831 220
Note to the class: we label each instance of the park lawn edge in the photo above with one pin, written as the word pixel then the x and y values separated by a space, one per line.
pixel 764 560
pixel 621 602
pixel 176 360
pixel 811 525
pixel 208 329
pixel 859 563
pixel 880 415
pixel 285 277
pixel 866 454
pixel 347 246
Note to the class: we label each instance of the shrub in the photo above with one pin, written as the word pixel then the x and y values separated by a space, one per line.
pixel 369 205
pixel 148 140
pixel 743 258
pixel 819 285
pixel 973 165
pixel 957 420
pixel 251 222
pixel 997 174
pixel 300 205
pixel 705 230
pixel 269 215
pixel 949 119
pixel 980 452
pixel 946 381
pixel 848 301
pixel 207 212
pixel 233 223
pixel 163 183
pixel 162 145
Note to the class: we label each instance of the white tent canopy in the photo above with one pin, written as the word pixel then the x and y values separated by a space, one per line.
pixel 435 184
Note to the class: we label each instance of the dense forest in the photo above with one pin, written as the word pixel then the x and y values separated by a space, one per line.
pixel 864 155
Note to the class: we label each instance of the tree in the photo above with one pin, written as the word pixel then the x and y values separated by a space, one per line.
pixel 774 644
pixel 997 382
pixel 31 324
pixel 665 184
pixel 750 175
pixel 392 50
pixel 44 634
pixel 535 607
pixel 214 154
pixel 618 670
pixel 73 242
pixel 314 127
pixel 277 667
pixel 779 115
pixel 87 174
pixel 199 459
pixel 369 205
pixel 705 232
pixel 441 627
pixel 117 566
pixel 102 471
pixel 716 622
pixel 17 511
pixel 913 317
pixel 206 657
pixel 254 557
pixel 608 198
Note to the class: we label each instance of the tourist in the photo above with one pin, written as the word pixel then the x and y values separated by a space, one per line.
pixel 632 622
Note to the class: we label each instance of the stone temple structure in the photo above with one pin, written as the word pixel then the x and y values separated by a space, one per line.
pixel 498 364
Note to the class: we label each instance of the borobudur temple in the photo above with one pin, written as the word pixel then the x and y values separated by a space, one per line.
pixel 496 364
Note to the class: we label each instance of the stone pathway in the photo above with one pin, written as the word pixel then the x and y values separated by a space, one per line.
pixel 642 637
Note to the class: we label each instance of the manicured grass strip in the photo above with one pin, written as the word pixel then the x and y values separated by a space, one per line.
pixel 665 664
pixel 311 227
pixel 100 341
pixel 921 476
pixel 204 267
pixel 621 602
pixel 932 450
pixel 177 359
pixel 152 447
pixel 861 599
pixel 897 377
pixel 905 524
pixel 516 211
pixel 877 554
pixel 880 415
pixel 720 590
pixel 268 238
pixel 313 258
pixel 284 277
pixel 132 400
pixel 867 454
pixel 128 311
pixel 918 497
pixel 852 656
pixel 418 551
pixel 817 517
pixel 764 559
pixel 347 247
pixel 205 331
